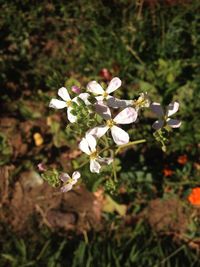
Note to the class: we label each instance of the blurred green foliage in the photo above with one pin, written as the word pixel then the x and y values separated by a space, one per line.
pixel 45 45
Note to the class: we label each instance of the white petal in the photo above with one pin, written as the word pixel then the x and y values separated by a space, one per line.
pixel 63 93
pixel 103 111
pixel 98 131
pixel 120 137
pixel 118 103
pixel 94 166
pixel 174 123
pixel 126 116
pixel 114 84
pixel 95 88
pixel 172 108
pixel 84 97
pixel 64 177
pixel 104 160
pixel 71 117
pixel 91 142
pixel 156 108
pixel 158 124
pixel 99 99
pixel 55 103
pixel 83 145
pixel 66 188
pixel 76 175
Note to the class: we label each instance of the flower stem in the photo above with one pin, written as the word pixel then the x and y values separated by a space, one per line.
pixel 129 144
pixel 113 166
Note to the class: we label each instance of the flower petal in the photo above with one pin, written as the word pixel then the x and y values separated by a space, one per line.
pixel 76 175
pixel 94 166
pixel 84 97
pixel 120 137
pixel 58 104
pixel 158 124
pixel 63 93
pixel 172 108
pixel 99 99
pixel 83 145
pixel 118 103
pixel 114 84
pixel 174 123
pixel 71 117
pixel 98 131
pixel 95 88
pixel 103 111
pixel 156 108
pixel 126 116
pixel 91 142
pixel 66 188
pixel 64 177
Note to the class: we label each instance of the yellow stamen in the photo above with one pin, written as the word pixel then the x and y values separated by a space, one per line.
pixel 69 181
pixel 69 103
pixel 94 155
pixel 105 94
pixel 110 123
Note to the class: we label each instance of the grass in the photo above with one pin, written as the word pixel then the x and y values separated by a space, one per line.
pixel 156 49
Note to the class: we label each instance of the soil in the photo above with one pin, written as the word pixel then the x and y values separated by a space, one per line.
pixel 30 197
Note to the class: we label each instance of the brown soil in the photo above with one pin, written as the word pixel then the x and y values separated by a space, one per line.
pixel 76 210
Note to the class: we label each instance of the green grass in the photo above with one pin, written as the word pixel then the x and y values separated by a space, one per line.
pixel 45 45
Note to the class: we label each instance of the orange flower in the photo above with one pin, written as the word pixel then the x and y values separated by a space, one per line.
pixel 183 159
pixel 167 172
pixel 194 197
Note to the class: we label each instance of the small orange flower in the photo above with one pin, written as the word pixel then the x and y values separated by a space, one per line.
pixel 194 197
pixel 183 159
pixel 167 172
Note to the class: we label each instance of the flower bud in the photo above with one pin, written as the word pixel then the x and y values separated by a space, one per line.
pixel 76 89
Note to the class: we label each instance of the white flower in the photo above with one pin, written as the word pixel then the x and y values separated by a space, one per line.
pixel 164 117
pixel 126 116
pixel 142 102
pixel 67 102
pixel 68 181
pixel 88 146
pixel 97 89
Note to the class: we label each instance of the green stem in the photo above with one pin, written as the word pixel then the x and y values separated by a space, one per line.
pixel 182 183
pixel 83 164
pixel 134 53
pixel 113 166
pixel 129 144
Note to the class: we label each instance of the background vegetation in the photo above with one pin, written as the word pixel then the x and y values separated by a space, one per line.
pixel 152 46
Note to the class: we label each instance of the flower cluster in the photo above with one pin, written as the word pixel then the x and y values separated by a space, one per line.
pixel 108 115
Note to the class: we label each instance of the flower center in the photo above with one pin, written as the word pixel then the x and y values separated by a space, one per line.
pixel 69 103
pixel 105 94
pixel 139 103
pixel 69 181
pixel 93 155
pixel 110 123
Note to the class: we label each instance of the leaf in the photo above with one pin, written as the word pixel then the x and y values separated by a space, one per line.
pixel 110 206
